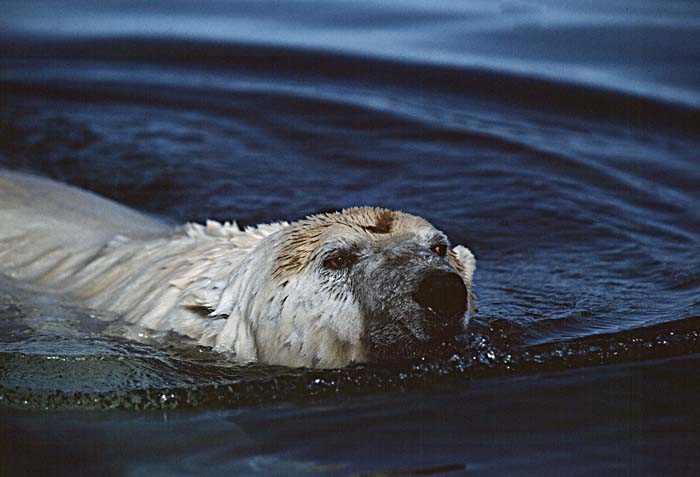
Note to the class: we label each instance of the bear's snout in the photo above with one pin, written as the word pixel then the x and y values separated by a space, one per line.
pixel 444 295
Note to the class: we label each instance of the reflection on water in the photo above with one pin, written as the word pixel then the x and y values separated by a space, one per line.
pixel 642 47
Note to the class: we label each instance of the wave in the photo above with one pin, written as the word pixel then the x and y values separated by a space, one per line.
pixel 318 65
pixel 487 351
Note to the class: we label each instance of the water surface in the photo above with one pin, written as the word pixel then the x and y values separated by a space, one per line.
pixel 559 142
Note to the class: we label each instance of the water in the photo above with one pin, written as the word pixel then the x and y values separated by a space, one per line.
pixel 559 142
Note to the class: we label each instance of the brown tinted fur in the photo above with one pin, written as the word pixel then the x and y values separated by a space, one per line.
pixel 302 238
pixel 385 220
pixel 460 269
pixel 455 263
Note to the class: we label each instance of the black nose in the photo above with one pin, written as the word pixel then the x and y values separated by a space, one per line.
pixel 444 293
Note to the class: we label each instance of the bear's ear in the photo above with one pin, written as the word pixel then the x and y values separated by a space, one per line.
pixel 463 260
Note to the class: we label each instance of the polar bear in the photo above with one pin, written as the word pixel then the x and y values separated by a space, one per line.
pixel 332 289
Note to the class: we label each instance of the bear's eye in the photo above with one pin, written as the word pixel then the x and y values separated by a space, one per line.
pixel 440 249
pixel 338 260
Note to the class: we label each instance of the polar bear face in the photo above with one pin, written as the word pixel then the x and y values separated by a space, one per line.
pixel 359 285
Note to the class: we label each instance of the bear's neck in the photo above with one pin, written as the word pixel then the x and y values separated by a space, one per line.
pixel 174 281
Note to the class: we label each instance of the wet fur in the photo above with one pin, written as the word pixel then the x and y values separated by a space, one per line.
pixel 260 293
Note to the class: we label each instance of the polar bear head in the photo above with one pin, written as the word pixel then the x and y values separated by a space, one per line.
pixel 351 286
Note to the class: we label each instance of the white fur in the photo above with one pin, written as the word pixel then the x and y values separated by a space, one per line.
pixel 209 282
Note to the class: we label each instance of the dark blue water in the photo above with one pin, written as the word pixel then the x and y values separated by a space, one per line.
pixel 559 142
